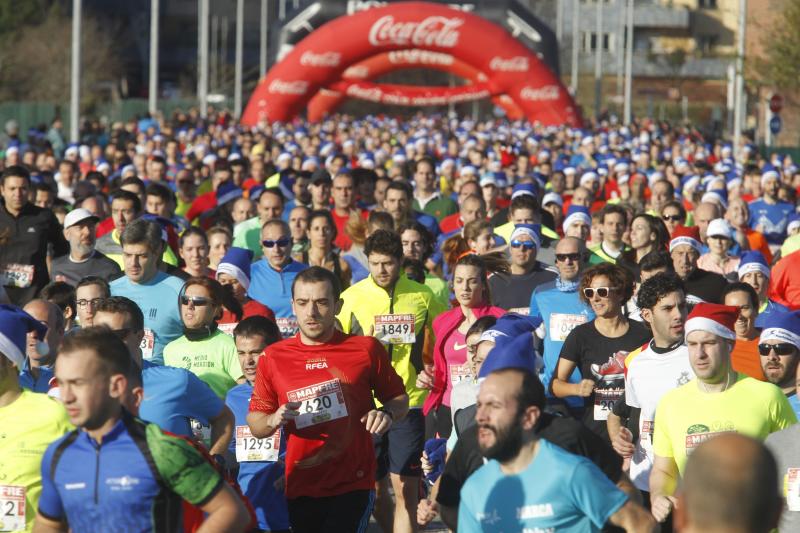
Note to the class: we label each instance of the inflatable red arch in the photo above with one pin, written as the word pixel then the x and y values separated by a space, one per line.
pixel 320 60
pixel 328 99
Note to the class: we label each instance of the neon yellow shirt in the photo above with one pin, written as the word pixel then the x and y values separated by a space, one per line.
pixel 27 427
pixel 214 360
pixel 687 416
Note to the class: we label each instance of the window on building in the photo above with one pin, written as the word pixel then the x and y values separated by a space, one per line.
pixel 707 4
pixel 707 43
pixel 589 41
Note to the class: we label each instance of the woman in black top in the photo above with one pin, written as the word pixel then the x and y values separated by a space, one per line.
pixel 598 348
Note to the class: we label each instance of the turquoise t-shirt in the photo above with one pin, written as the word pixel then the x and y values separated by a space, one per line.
pixel 558 491
pixel 158 300
pixel 214 360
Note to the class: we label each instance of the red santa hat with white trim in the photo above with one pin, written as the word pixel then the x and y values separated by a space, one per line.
pixel 684 235
pixel 713 318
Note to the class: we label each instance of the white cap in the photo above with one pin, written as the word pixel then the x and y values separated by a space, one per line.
pixel 719 228
pixel 78 215
pixel 552 198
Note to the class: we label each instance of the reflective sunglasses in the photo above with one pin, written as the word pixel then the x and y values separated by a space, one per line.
pixel 783 348
pixel 283 242
pixel 572 257
pixel 526 245
pixel 672 218
pixel 602 292
pixel 197 301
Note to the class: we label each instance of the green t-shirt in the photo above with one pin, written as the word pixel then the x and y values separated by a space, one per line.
pixel 439 288
pixel 27 427
pixel 213 360
pixel 247 234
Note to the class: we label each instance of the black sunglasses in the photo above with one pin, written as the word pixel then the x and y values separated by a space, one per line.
pixel 197 301
pixel 572 257
pixel 783 348
pixel 602 292
pixel 673 218
pixel 283 242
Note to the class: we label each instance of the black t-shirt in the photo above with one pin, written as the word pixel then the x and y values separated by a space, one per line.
pixel 72 272
pixel 512 292
pixel 602 359
pixel 568 433
pixel 705 286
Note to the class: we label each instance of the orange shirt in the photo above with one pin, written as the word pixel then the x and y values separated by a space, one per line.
pixel 745 359
pixel 784 284
pixel 758 242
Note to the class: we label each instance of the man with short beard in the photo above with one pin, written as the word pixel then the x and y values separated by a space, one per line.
pixel 778 347
pixel 738 216
pixel 82 260
pixel 530 483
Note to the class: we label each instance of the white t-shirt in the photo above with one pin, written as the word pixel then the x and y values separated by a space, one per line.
pixel 651 375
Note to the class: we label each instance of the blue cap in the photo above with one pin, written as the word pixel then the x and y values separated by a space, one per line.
pixel 532 230
pixel 781 326
pixel 14 327
pixel 227 191
pixel 236 262
pixel 753 261
pixel 514 353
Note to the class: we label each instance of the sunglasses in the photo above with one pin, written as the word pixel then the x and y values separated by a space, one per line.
pixel 197 301
pixel 602 292
pixel 672 218
pixel 562 258
pixel 283 242
pixel 525 245
pixel 784 348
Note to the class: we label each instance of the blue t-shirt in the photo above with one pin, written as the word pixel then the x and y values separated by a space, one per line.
pixel 430 223
pixel 558 491
pixel 560 312
pixel 773 219
pixel 158 300
pixel 772 307
pixel 27 381
pixel 257 478
pixel 173 395
pixel 274 289
pixel 794 401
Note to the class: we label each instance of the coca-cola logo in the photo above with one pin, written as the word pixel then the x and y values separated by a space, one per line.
pixel 436 31
pixel 419 57
pixel 288 87
pixel 540 94
pixel 510 64
pixel 325 59
pixel 359 72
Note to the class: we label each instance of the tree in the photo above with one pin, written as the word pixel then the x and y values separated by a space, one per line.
pixel 780 65
pixel 35 57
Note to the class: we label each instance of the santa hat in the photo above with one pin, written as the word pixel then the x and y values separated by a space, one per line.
pixel 686 235
pixel 227 191
pixel 14 327
pixel 713 318
pixel 577 213
pixel 236 262
pixel 753 261
pixel 508 326
pixel 531 230
pixel 781 326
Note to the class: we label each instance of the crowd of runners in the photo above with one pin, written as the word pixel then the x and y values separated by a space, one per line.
pixel 308 327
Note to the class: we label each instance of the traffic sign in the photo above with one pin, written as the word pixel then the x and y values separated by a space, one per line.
pixel 776 103
pixel 775 124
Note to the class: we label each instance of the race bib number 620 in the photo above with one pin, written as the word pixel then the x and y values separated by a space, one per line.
pixel 319 403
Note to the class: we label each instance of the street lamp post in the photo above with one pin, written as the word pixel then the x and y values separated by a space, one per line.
pixel 75 77
pixel 152 99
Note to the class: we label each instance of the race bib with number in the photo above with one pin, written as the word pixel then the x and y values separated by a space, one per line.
pixel 459 373
pixel 319 403
pixel 395 329
pixel 604 400
pixel 562 323
pixel 287 326
pixel 646 435
pixel 249 448
pixel 17 275
pixel 200 431
pixel 148 343
pixel 12 508
pixel 227 329
pixel 520 310
pixel 791 489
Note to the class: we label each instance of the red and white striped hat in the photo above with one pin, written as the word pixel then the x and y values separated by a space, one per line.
pixel 713 318
pixel 684 235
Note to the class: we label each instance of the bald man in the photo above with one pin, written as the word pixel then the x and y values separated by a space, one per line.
pixel 731 485
pixel 37 370
pixel 704 213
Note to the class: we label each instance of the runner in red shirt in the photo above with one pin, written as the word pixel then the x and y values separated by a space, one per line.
pixel 319 386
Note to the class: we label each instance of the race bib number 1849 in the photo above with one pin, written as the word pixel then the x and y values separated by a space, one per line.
pixel 319 403
pixel 12 508
pixel 395 329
